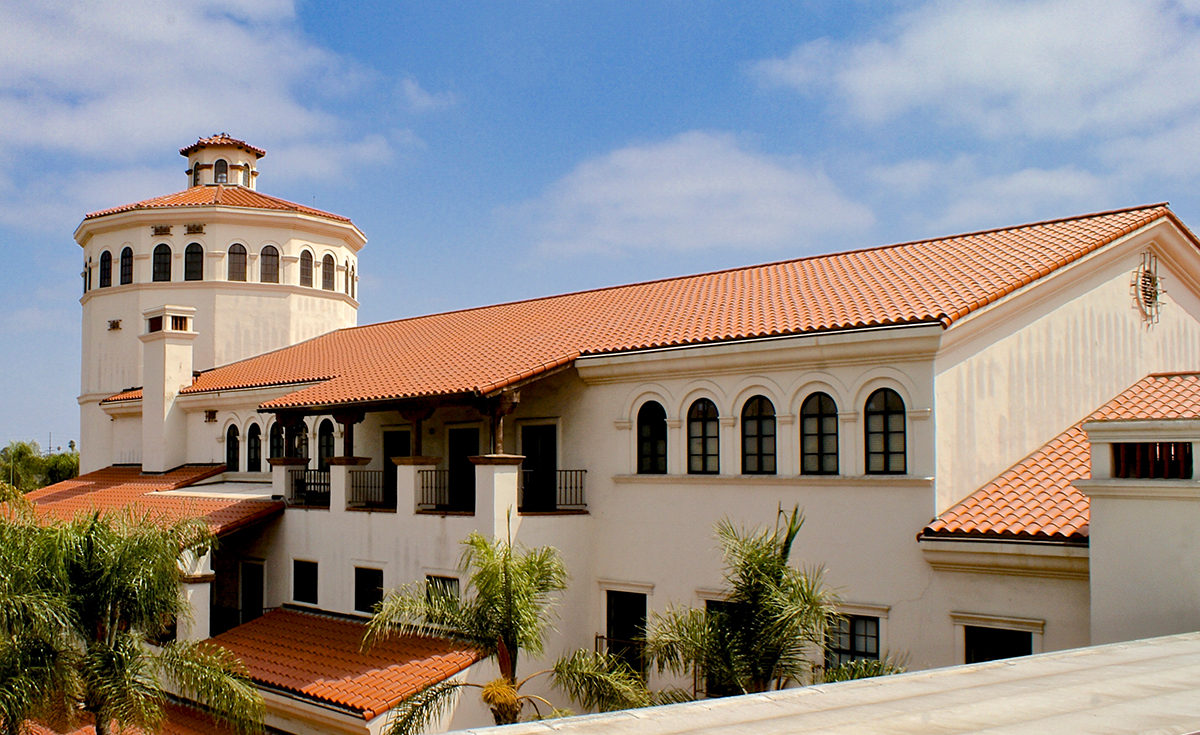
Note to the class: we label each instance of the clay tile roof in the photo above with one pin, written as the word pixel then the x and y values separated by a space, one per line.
pixel 479 351
pixel 181 720
pixel 119 487
pixel 1033 500
pixel 129 394
pixel 224 195
pixel 1160 396
pixel 318 657
pixel 221 139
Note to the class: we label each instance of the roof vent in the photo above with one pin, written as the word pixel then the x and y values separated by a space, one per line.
pixel 1147 288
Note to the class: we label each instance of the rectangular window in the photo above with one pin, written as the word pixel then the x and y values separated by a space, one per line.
pixel 154 324
pixel 440 586
pixel 368 588
pixel 626 627
pixel 179 323
pixel 852 637
pixel 718 683
pixel 304 581
pixel 990 644
pixel 1153 460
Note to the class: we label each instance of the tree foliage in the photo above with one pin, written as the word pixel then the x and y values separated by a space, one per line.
pixel 23 466
pixel 79 603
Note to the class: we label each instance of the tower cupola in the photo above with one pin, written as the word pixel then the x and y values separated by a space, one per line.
pixel 220 159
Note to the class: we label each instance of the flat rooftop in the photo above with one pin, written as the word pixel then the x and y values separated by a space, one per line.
pixel 1146 686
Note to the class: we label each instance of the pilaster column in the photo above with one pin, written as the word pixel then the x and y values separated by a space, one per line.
pixel 496 486
pixel 339 480
pixel 197 579
pixel 408 478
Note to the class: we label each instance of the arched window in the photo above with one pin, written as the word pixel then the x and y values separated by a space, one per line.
pixel 324 445
pixel 302 441
pixel 105 269
pixel 347 277
pixel 246 175
pixel 196 174
pixel 221 171
pixel 306 264
pixel 703 442
pixel 328 273
pixel 652 439
pixel 276 440
pixel 193 262
pixel 86 274
pixel 353 283
pixel 758 437
pixel 237 262
pixel 162 262
pixel 126 266
pixel 818 436
pixel 268 268
pixel 231 450
pixel 254 449
pixel 886 445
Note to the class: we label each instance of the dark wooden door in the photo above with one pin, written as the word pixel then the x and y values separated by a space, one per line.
pixel 252 591
pixel 395 444
pixel 463 444
pixel 540 468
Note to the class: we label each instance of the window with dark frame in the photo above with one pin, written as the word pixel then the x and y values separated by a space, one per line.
pixel 237 262
pixel 232 453
pixel 852 637
pixel 246 175
pixel 993 644
pixel 758 437
pixel 196 174
pixel 126 266
pixel 818 435
pixel 1152 460
pixel 304 581
pixel 254 449
pixel 105 269
pixel 652 439
pixel 276 447
pixel 268 267
pixel 221 171
pixel 626 627
pixel 328 273
pixel 704 443
pixel 439 586
pixel 306 269
pixel 162 262
pixel 885 429
pixel 368 588
pixel 193 262
pixel 718 683
pixel 325 448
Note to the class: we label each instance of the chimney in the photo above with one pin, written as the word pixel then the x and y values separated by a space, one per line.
pixel 167 338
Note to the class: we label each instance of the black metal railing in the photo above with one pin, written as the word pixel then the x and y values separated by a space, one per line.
pixel 308 488
pixel 568 491
pixel 366 490
pixel 632 653
pixel 434 489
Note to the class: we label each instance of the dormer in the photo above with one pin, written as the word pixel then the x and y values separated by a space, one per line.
pixel 220 159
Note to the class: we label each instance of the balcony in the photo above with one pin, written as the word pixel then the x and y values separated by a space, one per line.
pixel 559 492
pixel 308 489
pixel 366 490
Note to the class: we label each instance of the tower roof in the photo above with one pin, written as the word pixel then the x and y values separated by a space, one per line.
pixel 221 139
pixel 218 195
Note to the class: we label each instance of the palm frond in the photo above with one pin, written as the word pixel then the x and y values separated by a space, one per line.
pixel 678 639
pixel 415 714
pixel 216 679
pixel 120 686
pixel 864 668
pixel 600 681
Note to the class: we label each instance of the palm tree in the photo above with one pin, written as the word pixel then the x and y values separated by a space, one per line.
pixel 505 612
pixel 762 636
pixel 79 603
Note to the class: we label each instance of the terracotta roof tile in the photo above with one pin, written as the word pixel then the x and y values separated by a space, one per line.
pixel 221 139
pixel 318 657
pixel 181 720
pixel 1033 500
pixel 1156 397
pixel 481 350
pixel 129 394
pixel 120 487
pixel 224 195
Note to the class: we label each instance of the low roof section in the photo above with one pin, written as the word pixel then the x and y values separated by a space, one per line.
pixel 124 487
pixel 318 658
pixel 1036 499
pixel 479 352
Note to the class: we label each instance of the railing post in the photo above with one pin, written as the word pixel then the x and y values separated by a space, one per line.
pixel 496 480
pixel 339 480
pixel 408 479
pixel 280 467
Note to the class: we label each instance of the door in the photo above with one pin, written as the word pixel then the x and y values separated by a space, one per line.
pixel 463 444
pixel 252 590
pixel 395 444
pixel 539 475
pixel 626 625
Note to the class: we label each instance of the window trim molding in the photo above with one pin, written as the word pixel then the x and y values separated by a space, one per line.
pixel 960 620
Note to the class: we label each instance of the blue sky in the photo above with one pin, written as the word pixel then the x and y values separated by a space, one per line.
pixel 502 150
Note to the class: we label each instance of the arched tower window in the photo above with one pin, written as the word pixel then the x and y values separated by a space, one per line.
pixel 268 267
pixel 758 437
pixel 126 266
pixel 246 176
pixel 276 440
pixel 306 264
pixel 652 439
pixel 348 277
pixel 105 269
pixel 237 262
pixel 353 283
pixel 818 436
pixel 324 445
pixel 221 171
pixel 886 441
pixel 196 174
pixel 328 272
pixel 193 262
pixel 232 457
pixel 254 449
pixel 162 262
pixel 704 457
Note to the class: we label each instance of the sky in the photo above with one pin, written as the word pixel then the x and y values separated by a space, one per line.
pixel 499 150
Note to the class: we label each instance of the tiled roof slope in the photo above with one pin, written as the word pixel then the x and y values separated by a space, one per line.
pixel 319 657
pixel 224 195
pixel 482 350
pixel 1155 397
pixel 181 720
pixel 129 394
pixel 117 488
pixel 221 139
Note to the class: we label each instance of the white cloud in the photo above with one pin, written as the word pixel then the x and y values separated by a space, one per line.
pixel 697 190
pixel 419 100
pixel 1039 69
